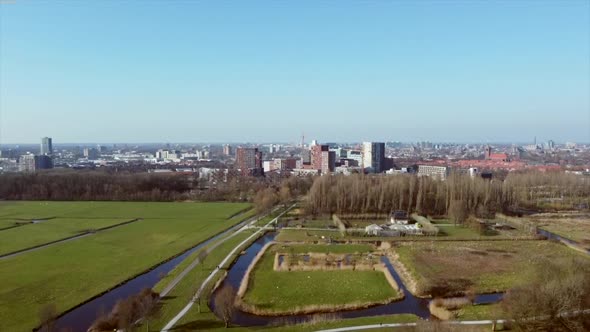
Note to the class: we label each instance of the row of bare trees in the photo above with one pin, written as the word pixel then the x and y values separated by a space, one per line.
pixel 287 190
pixel 65 185
pixel 458 196
pixel 93 185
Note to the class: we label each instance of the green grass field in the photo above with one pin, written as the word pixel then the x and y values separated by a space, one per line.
pixel 69 273
pixel 35 234
pixel 284 292
pixel 302 235
pixel 323 248
pixel 460 232
pixel 7 223
pixel 479 312
pixel 484 266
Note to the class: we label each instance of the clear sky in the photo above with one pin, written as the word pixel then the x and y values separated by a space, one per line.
pixel 211 71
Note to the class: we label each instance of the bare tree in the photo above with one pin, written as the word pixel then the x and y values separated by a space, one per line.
pixel 285 195
pixel 224 303
pixel 458 211
pixel 149 306
pixel 553 300
pixel 124 313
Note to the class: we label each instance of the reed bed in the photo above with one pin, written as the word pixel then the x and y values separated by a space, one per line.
pixel 442 308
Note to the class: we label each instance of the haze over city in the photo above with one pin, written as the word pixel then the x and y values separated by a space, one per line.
pixel 267 71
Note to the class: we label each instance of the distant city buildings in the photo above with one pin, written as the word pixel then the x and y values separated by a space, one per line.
pixel 478 160
pixel 489 155
pixel 440 172
pixel 32 163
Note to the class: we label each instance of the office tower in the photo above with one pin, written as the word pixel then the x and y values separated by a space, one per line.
pixel 91 153
pixel 373 156
pixel 328 162
pixel 46 146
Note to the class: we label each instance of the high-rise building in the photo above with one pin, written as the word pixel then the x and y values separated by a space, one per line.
pixel 43 162
pixel 26 163
pixel 46 146
pixel 373 156
pixel 306 157
pixel 227 150
pixel 249 161
pixel 322 158
pixel 91 153
pixel 328 162
pixel 316 155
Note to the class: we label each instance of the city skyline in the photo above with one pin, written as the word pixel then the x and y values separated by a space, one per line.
pixel 207 72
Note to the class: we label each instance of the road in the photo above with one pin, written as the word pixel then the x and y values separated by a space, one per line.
pixel 213 273
pixel 460 322
pixel 378 326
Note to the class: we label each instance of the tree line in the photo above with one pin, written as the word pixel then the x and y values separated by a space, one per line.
pixel 98 185
pixel 458 196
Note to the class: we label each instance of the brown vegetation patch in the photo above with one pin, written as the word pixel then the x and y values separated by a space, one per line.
pixel 442 308
pixel 451 268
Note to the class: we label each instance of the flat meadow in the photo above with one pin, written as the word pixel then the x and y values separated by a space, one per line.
pixel 68 273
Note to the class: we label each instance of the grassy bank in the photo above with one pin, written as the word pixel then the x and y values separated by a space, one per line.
pixel 68 273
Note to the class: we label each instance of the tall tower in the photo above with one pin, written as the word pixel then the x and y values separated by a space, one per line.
pixel 46 146
pixel 488 153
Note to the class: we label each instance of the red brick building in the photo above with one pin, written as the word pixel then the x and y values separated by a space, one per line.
pixel 249 161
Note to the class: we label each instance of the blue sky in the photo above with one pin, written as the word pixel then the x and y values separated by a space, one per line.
pixel 188 71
